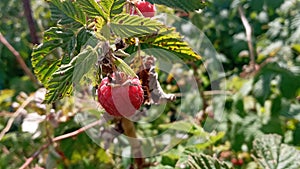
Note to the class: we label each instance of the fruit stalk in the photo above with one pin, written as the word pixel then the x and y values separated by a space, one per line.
pixel 129 131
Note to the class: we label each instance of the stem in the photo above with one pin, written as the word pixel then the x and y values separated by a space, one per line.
pixel 16 114
pixel 58 138
pixel 248 36
pixel 129 131
pixel 19 59
pixel 30 21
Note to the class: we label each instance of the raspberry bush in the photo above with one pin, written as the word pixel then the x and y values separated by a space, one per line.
pixel 80 114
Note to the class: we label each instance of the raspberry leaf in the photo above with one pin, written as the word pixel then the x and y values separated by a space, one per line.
pixel 201 161
pixel 92 9
pixel 127 26
pixel 167 41
pixel 122 66
pixel 60 84
pixel 66 12
pixel 44 57
pixel 187 6
pixel 44 63
pixel 84 62
pixel 112 7
pixel 272 154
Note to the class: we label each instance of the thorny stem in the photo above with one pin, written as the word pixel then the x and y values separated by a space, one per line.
pixel 59 138
pixel 248 36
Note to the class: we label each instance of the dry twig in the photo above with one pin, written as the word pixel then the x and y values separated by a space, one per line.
pixel 16 114
pixel 248 36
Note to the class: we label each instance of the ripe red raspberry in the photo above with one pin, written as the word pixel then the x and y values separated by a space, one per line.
pixel 146 8
pixel 237 162
pixel 121 99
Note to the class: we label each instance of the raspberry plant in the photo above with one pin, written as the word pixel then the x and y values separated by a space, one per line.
pixel 97 36
pixel 88 38
pixel 82 25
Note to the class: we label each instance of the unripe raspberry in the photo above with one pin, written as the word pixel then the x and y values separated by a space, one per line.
pixel 121 99
pixel 146 8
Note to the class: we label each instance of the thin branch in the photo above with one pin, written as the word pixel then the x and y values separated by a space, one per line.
pixel 16 114
pixel 58 138
pixel 19 58
pixel 76 132
pixel 217 92
pixel 30 21
pixel 29 160
pixel 6 114
pixel 248 36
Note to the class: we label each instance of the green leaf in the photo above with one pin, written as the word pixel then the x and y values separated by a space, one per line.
pixel 184 126
pixel 288 85
pixel 83 37
pixel 60 85
pixel 66 12
pixel 112 7
pixel 163 44
pixel 127 26
pixel 296 47
pixel 261 89
pixel 201 161
pixel 189 5
pixel 92 8
pixel 122 66
pixel 85 61
pixel 203 140
pixel 43 63
pixel 291 110
pixel 272 154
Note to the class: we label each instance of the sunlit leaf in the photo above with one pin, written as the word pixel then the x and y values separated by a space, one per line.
pixel 91 8
pixel 112 7
pixel 189 5
pixel 165 43
pixel 44 57
pixel 126 26
pixel 296 47
pixel 66 12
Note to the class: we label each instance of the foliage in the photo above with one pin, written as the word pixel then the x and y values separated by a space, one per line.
pixel 259 123
pixel 272 154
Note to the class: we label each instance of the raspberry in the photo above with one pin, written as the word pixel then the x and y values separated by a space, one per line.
pixel 146 8
pixel 237 162
pixel 121 99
